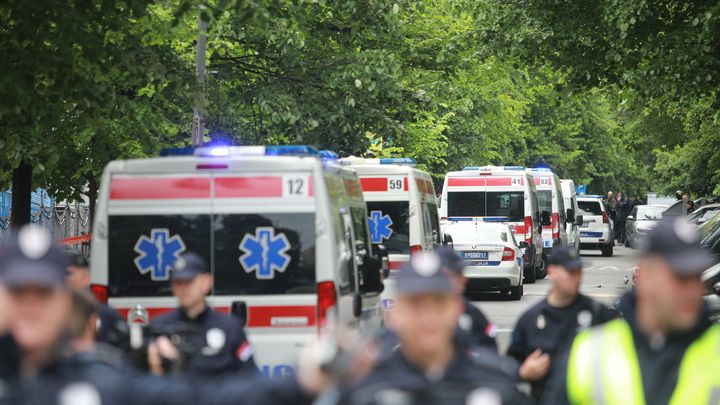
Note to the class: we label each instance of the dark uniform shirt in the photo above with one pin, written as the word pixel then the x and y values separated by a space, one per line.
pixel 659 364
pixel 481 331
pixel 220 345
pixel 112 329
pixel 552 329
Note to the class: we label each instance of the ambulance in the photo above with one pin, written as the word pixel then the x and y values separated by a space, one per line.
pixel 552 208
pixel 285 234
pixel 402 208
pixel 504 194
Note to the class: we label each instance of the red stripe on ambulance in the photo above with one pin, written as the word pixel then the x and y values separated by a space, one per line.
pixel 499 181
pixel 466 182
pixel 374 183
pixel 159 188
pixel 242 187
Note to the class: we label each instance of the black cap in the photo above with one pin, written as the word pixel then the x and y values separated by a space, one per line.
pixel 424 274
pixel 450 260
pixel 678 242
pixel 31 258
pixel 188 266
pixel 566 256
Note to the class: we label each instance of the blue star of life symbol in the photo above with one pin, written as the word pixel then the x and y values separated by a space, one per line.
pixel 265 253
pixel 380 226
pixel 158 253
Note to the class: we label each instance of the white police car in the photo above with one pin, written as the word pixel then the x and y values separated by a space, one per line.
pixel 285 234
pixel 402 206
pixel 504 193
pixel 493 257
pixel 595 231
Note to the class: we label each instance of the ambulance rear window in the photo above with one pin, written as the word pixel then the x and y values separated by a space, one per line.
pixel 258 254
pixel 389 225
pixel 545 200
pixel 487 204
pixel 253 254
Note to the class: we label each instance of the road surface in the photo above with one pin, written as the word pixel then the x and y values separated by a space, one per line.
pixel 603 279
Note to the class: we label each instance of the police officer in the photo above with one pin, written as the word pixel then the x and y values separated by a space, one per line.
pixel 664 349
pixel 430 366
pixel 220 345
pixel 473 321
pixel 548 327
pixel 111 328
pixel 34 271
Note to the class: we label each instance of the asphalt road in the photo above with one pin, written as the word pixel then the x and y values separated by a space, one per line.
pixel 603 279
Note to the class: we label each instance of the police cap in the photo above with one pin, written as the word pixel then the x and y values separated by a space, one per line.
pixel 31 258
pixel 424 274
pixel 188 266
pixel 566 256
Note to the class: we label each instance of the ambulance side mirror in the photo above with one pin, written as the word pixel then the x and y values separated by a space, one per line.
pixel 372 276
pixel 570 215
pixel 545 218
pixel 448 240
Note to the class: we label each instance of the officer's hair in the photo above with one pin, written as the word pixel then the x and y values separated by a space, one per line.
pixel 84 307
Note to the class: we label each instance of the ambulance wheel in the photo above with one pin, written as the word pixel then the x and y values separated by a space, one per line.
pixel 516 292
pixel 529 275
pixel 607 251
pixel 542 271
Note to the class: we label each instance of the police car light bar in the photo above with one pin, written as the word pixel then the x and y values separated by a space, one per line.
pixel 328 155
pixel 541 169
pixel 590 196
pixel 397 161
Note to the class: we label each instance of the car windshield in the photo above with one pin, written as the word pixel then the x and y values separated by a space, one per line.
pixel 509 204
pixel 590 207
pixel 649 213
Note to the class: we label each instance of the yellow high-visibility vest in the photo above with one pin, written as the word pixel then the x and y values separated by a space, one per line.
pixel 603 368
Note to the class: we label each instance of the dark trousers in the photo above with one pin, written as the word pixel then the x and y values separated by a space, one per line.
pixel 620 230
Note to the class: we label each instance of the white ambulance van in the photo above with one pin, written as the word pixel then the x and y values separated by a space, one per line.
pixel 552 208
pixel 285 234
pixel 402 208
pixel 504 194
pixel 574 221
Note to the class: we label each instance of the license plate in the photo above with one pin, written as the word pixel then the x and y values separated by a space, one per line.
pixel 475 255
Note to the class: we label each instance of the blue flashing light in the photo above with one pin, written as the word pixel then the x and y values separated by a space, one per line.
pixel 182 151
pixel 541 169
pixel 514 167
pixel 461 219
pixel 219 151
pixel 328 155
pixel 291 150
pixel 470 168
pixel 397 161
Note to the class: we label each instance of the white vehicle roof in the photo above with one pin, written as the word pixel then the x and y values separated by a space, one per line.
pixel 474 171
pixel 568 187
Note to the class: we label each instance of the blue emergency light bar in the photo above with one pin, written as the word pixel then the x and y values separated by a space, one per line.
pixel 489 168
pixel 225 151
pixel 483 219
pixel 541 169
pixel 183 151
pixel 291 150
pixel 590 196
pixel 397 161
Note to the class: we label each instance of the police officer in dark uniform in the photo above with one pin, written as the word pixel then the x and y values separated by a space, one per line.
pixel 111 328
pixel 34 270
pixel 473 321
pixel 548 327
pixel 220 345
pixel 430 365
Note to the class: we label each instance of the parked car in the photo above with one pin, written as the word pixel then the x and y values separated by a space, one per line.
pixel 704 213
pixel 494 258
pixel 642 219
pixel 595 230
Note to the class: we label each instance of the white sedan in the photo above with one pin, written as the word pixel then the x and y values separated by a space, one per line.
pixel 494 259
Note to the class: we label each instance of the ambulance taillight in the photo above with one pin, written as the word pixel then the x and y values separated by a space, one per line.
pixel 555 224
pixel 100 292
pixel 529 230
pixel 415 249
pixel 326 300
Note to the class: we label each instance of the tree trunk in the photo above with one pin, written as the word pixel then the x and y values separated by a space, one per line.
pixel 21 189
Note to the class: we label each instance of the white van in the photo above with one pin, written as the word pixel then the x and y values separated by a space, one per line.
pixel 504 194
pixel 552 208
pixel 285 235
pixel 402 208
pixel 571 212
